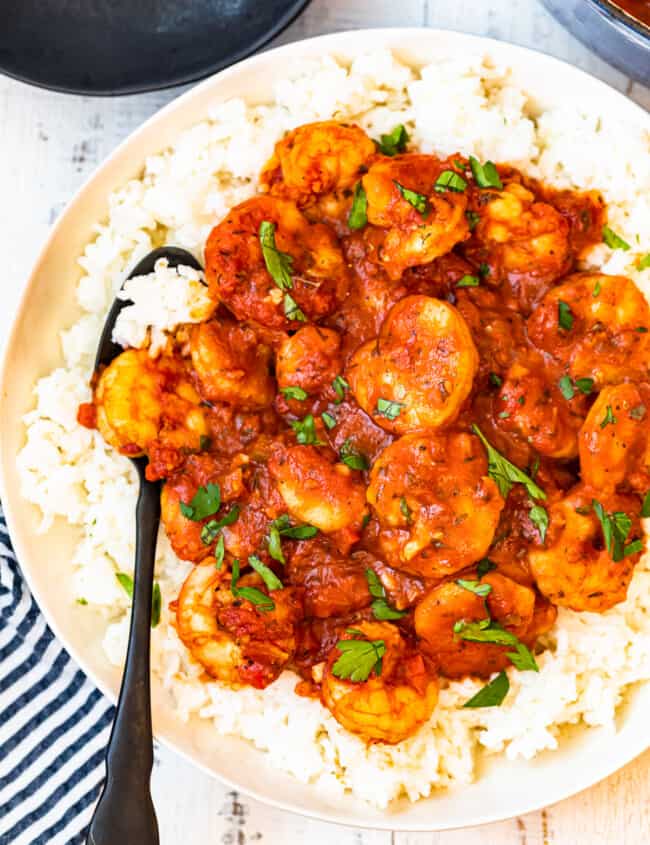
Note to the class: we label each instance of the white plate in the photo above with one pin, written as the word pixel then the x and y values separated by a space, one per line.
pixel 504 789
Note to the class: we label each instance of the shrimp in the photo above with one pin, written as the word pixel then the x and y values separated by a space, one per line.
pixel 509 604
pixel 139 400
pixel 309 360
pixel 317 489
pixel 185 535
pixel 236 641
pixel 313 278
pixel 520 241
pixel 397 698
pixel 595 326
pixel 615 439
pixel 575 568
pixel 231 364
pixel 418 372
pixel 437 507
pixel 421 222
pixel 318 158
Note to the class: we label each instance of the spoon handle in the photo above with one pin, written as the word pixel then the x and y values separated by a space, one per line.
pixel 125 813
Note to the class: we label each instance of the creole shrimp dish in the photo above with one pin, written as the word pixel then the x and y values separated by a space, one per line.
pixel 407 430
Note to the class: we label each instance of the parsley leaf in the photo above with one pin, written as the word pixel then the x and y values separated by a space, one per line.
pixel 475 587
pixel 268 575
pixel 389 409
pixel 495 379
pixel 523 659
pixel 485 175
pixel 468 282
pixel 306 431
pixel 381 609
pixel 214 526
pixel 204 443
pixel 340 385
pixel 328 419
pixel 645 507
pixel 449 180
pixel 609 418
pixel 473 219
pixel 616 526
pixel 292 310
pixel 352 458
pixel 395 142
pixel 484 566
pixel 419 202
pixel 358 659
pixel 358 216
pixel 126 582
pixel 613 240
pixel 251 594
pixel 584 385
pixel 566 387
pixel 82 601
pixel 644 262
pixel 294 393
pixel 506 474
pixel 219 551
pixel 274 544
pixel 564 316
pixel 405 510
pixel 539 517
pixel 205 502
pixel 279 264
pixel 480 632
pixel 492 694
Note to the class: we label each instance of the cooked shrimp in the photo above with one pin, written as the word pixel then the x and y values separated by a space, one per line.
pixel 436 505
pixel 596 326
pixel 414 236
pixel 309 360
pixel 318 158
pixel 237 642
pixel 420 369
pixel 509 604
pixel 231 364
pixel 575 568
pixel 615 440
pixel 397 698
pixel 198 471
pixel 139 399
pixel 520 241
pixel 317 489
pixel 314 279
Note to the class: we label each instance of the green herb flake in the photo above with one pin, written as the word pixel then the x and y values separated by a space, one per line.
pixel 566 387
pixel 644 262
pixel 256 597
pixel 358 659
pixel 492 694
pixel 483 269
pixel 269 577
pixel 616 527
pixel 214 526
pixel 205 502
pixel 645 507
pixel 482 590
pixel 485 175
pixel 405 510
pixel 292 310
pixel 609 418
pixel 381 609
pixel 484 566
pixel 279 264
pixel 539 517
pixel 564 316
pixel 596 290
pixel 340 385
pixel 204 443
pixel 585 385
pixel 394 142
pixel 156 605
pixel 294 393
pixel 352 458
pixel 219 551
pixel 523 659
pixel 419 202
pixel 633 548
pixel 506 474
pixel 274 544
pixel 328 420
pixel 495 379
pixel 126 582
pixel 389 409
pixel 358 216
pixel 449 180
pixel 468 282
pixel 503 415
pixel 473 219
pixel 485 631
pixel 305 430
pixel 613 240
pixel 82 601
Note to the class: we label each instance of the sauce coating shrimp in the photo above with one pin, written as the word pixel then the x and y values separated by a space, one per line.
pixel 420 369
pixel 595 326
pixel 415 235
pixel 394 701
pixel 234 640
pixel 574 568
pixel 436 505
pixel 237 274
pixel 318 158
pixel 139 399
pixel 309 360
pixel 231 364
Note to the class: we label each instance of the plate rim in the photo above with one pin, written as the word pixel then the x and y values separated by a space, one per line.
pixel 391 38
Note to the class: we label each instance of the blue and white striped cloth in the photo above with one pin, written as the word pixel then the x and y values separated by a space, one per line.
pixel 54 724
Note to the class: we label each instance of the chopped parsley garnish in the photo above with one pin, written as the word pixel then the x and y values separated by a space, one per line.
pixel 645 507
pixel 613 240
pixel 473 219
pixel 292 310
pixel 358 659
pixel 419 202
pixel 268 575
pixel 340 385
pixel 539 517
pixel 596 290
pixel 475 587
pixel 252 594
pixel 506 474
pixel 566 387
pixel 495 379
pixel 82 601
pixel 523 659
pixel 394 142
pixel 219 551
pixel 294 393
pixel 353 458
pixel 449 180
pixel 306 431
pixel 279 264
pixel 644 262
pixel 633 547
pixel 205 502
pixel 585 385
pixel 358 216
pixel 328 419
pixel 282 527
pixel 483 269
pixel 405 510
pixel 485 175
pixel 564 316
pixel 488 631
pixel 484 566
pixel 204 443
pixel 616 527
pixel 504 415
pixel 389 409
pixel 609 418
pixel 380 608
pixel 468 282
pixel 492 694
pixel 214 526
pixel 126 582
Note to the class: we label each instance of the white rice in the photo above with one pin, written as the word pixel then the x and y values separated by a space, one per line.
pixel 464 104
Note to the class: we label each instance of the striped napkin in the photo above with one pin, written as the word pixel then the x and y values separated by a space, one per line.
pixel 54 724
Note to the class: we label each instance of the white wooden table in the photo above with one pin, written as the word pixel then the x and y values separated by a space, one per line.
pixel 49 143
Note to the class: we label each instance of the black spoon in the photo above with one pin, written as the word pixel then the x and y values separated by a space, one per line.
pixel 125 813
